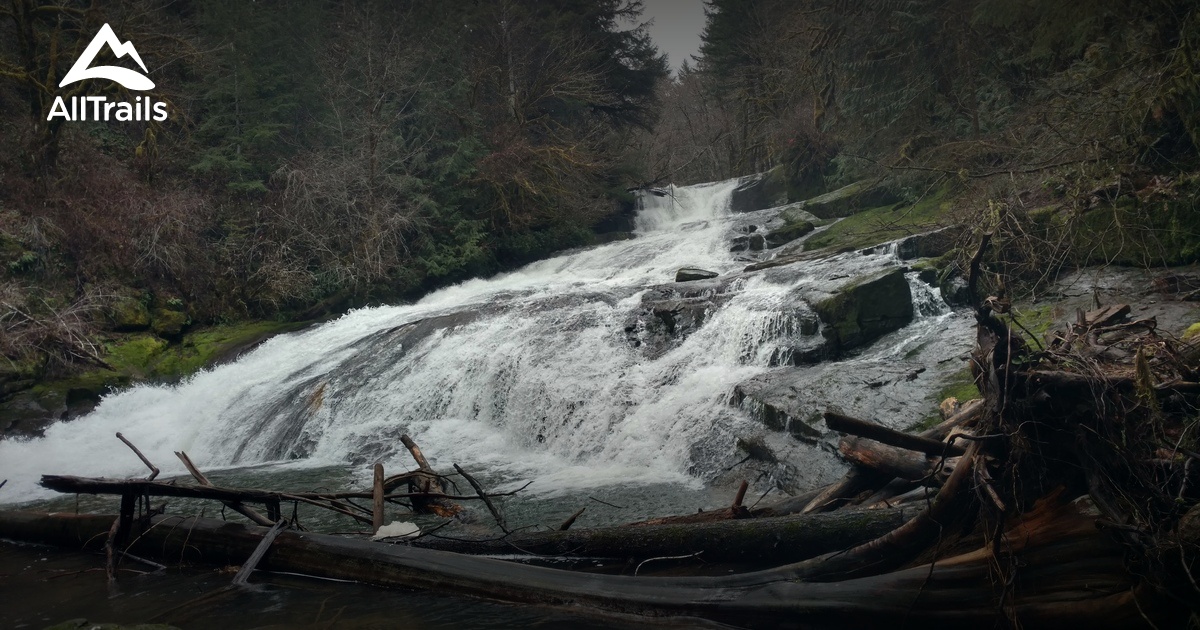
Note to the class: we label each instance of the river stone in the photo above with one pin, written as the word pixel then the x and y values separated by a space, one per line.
pixel 866 309
pixel 688 274
pixel 789 233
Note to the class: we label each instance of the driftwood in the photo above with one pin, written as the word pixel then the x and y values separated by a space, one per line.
pixel 861 428
pixel 427 492
pixel 236 506
pixel 243 574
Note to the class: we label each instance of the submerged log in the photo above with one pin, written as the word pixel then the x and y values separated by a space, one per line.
pixel 1071 574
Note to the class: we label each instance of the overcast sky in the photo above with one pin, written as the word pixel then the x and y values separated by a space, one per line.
pixel 676 28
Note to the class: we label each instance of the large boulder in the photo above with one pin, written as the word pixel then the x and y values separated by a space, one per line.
pixel 928 245
pixel 759 192
pixel 866 309
pixel 788 233
pixel 670 313
pixel 848 200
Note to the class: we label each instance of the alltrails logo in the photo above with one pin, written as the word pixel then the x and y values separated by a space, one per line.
pixel 143 109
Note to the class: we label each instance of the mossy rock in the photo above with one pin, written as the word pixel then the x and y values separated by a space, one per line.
pixel 169 324
pixel 1192 332
pixel 128 314
pixel 884 222
pixel 866 310
pixel 789 233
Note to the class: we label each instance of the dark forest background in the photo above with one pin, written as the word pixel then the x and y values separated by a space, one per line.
pixel 322 155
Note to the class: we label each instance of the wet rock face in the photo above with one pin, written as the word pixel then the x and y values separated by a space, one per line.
pixel 757 192
pixel 865 310
pixel 777 406
pixel 751 243
pixel 669 313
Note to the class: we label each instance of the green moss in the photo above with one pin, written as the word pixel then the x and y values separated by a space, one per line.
pixel 135 354
pixel 883 223
pixel 960 385
pixel 1036 320
pixel 205 346
pixel 1192 332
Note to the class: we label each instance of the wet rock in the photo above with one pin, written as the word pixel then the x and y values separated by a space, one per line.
pixel 621 219
pixel 670 313
pixel 753 243
pixel 688 274
pixel 774 406
pixel 612 237
pixel 848 200
pixel 866 309
pixel 758 192
pixel 789 233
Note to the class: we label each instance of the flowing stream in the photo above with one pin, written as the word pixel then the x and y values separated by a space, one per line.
pixel 535 375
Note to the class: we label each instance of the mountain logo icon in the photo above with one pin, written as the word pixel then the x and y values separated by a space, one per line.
pixel 131 79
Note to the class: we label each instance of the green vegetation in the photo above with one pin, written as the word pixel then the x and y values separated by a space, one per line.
pixel 885 223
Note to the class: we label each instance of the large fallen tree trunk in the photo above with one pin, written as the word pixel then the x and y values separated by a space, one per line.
pixel 756 541
pixel 1070 573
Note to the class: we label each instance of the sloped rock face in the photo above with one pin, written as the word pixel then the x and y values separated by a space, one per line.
pixel 927 245
pixel 848 200
pixel 865 310
pixel 778 406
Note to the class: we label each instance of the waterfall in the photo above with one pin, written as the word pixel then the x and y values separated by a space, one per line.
pixel 534 374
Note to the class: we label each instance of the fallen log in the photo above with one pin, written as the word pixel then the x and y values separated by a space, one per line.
pixel 1070 574
pixel 891 437
pixel 889 460
pixel 749 541
pixel 70 484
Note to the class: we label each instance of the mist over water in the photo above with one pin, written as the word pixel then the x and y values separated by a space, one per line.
pixel 527 375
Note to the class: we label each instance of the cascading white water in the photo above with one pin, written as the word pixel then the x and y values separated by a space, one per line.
pixel 528 375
